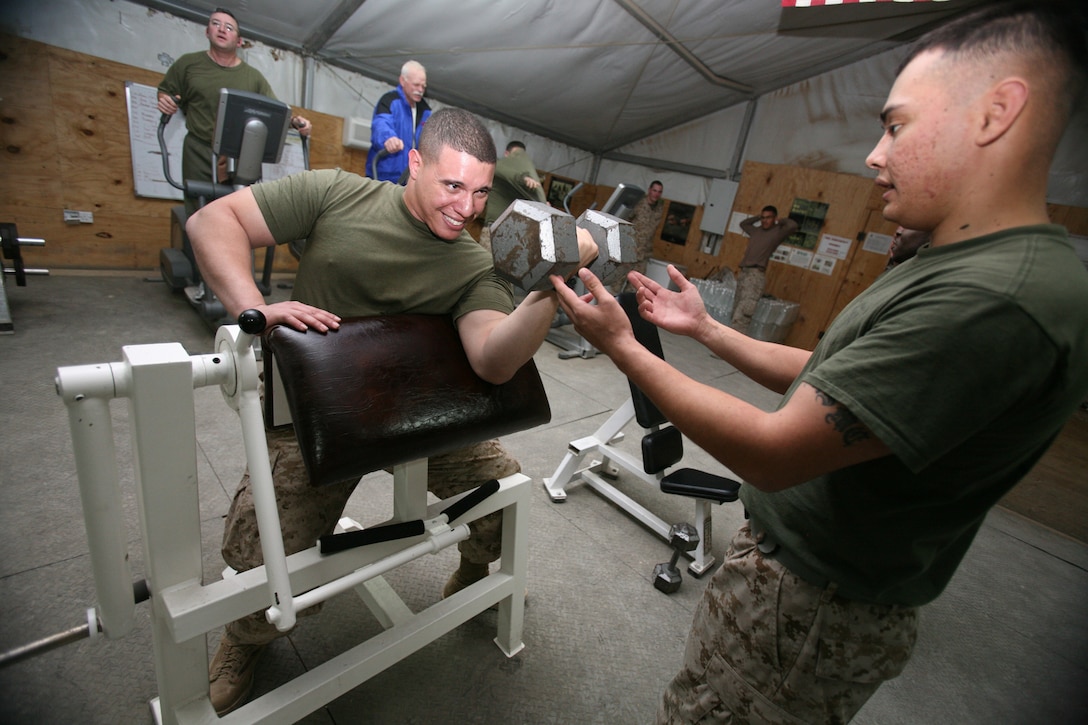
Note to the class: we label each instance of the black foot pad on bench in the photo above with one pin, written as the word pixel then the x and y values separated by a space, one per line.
pixel 700 484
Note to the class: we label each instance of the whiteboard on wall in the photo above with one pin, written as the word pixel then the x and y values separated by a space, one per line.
pixel 148 178
pixel 143 130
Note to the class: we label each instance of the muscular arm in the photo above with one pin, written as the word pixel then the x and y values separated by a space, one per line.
pixel 811 435
pixel 497 344
pixel 223 235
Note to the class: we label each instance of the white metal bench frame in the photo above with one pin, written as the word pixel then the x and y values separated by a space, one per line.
pixel 158 381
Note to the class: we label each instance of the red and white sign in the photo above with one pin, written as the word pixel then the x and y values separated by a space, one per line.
pixel 819 3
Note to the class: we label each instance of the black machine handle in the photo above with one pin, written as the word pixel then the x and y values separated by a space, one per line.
pixel 332 543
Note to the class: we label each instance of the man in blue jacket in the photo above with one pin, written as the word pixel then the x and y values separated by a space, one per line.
pixel 398 118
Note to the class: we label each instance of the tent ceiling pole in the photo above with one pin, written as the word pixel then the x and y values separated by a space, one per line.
pixel 308 69
pixel 331 24
pixel 664 165
pixel 677 47
pixel 742 139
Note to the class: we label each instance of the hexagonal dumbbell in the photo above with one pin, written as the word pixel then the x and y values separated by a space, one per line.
pixel 682 538
pixel 531 241
pixel 616 241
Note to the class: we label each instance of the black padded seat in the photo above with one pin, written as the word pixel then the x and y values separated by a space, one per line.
pixel 700 484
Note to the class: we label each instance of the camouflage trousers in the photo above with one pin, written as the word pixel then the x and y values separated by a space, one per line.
pixel 310 512
pixel 767 647
pixel 750 284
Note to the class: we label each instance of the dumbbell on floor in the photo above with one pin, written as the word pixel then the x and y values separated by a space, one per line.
pixel 682 538
pixel 530 241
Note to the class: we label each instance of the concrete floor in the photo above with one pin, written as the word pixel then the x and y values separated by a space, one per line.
pixel 1006 643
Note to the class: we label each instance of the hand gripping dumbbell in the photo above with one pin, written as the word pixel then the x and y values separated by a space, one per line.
pixel 531 241
pixel 682 538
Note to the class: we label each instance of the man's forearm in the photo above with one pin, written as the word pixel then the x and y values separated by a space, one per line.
pixel 508 343
pixel 772 365
pixel 728 428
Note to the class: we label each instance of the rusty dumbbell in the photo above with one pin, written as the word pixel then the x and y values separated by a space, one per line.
pixel 531 241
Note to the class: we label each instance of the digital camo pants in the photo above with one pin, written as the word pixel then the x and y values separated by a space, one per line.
pixel 310 512
pixel 767 647
pixel 750 284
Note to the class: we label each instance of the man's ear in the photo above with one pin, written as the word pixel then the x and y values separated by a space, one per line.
pixel 415 160
pixel 1004 104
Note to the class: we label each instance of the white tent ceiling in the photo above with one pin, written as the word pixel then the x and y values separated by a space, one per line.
pixel 594 74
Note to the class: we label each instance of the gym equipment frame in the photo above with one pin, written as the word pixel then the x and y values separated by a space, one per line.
pixel 158 381
pixel 661 448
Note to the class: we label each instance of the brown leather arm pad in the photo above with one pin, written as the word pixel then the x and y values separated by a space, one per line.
pixel 392 389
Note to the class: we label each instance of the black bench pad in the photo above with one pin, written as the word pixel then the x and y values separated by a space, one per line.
pixel 700 484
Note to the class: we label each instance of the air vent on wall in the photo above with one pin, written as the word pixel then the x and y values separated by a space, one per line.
pixel 357 133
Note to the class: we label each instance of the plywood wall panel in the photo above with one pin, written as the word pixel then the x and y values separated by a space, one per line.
pixel 28 149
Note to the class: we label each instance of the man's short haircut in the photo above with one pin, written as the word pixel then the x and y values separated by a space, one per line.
pixel 515 145
pixel 655 182
pixel 1049 33
pixel 233 17
pixel 772 209
pixel 459 130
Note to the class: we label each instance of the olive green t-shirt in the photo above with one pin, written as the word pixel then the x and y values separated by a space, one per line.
pixel 367 255
pixel 966 361
pixel 197 79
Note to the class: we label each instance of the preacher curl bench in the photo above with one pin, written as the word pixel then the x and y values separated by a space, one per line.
pixel 383 392
pixel 662 447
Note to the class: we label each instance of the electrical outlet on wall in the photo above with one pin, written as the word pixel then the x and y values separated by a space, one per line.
pixel 73 216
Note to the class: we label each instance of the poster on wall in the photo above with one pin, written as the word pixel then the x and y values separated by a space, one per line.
pixel 877 243
pixel 292 159
pixel 833 246
pixel 677 223
pixel 824 264
pixel 809 216
pixel 558 188
pixel 734 223
pixel 792 256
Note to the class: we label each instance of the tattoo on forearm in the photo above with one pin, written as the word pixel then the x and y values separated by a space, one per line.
pixel 845 422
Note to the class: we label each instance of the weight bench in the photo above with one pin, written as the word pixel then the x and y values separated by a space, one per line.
pixel 662 447
pixel 381 392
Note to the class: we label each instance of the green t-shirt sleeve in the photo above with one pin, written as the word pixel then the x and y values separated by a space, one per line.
pixel 291 205
pixel 923 379
pixel 170 83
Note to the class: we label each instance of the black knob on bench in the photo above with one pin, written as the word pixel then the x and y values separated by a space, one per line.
pixel 252 322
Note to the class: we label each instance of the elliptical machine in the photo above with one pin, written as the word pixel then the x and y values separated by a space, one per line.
pixel 250 130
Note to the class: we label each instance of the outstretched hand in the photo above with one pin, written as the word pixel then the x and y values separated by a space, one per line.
pixel 678 312
pixel 604 325
pixel 299 316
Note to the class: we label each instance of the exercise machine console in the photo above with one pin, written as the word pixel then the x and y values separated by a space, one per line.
pixel 250 130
